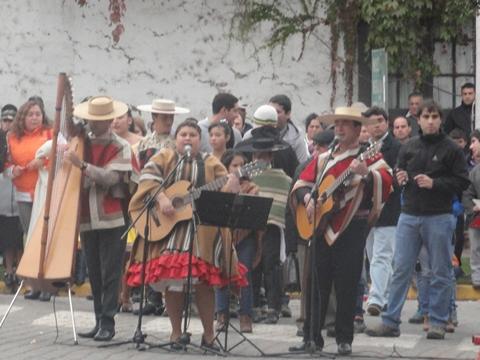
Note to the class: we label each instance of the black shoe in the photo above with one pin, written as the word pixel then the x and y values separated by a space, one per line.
pixel 303 347
pixel 104 335
pixel 272 317
pixel 211 346
pixel 44 296
pixel 344 349
pixel 32 295
pixel 9 280
pixel 89 334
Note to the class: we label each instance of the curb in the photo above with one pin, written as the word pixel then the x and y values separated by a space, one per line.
pixel 464 292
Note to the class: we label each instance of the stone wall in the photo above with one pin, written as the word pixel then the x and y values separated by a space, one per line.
pixel 174 49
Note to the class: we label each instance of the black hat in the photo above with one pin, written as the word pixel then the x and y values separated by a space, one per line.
pixel 323 138
pixel 264 138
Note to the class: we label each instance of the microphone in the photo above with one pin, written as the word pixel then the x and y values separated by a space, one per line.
pixel 334 142
pixel 187 150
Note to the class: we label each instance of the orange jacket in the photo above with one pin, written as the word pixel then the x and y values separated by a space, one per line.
pixel 22 151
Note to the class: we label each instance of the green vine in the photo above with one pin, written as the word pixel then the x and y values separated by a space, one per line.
pixel 406 29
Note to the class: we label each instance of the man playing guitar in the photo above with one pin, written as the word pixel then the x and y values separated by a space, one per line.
pixel 339 241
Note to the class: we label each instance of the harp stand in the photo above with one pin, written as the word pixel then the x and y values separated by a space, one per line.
pixel 72 317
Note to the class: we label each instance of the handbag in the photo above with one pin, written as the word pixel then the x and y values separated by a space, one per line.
pixel 291 273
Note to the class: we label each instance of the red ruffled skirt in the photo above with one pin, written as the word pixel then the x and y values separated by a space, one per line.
pixel 174 266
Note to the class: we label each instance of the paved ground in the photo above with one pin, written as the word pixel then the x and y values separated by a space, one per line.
pixel 29 333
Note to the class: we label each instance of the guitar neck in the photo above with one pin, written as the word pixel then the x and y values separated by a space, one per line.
pixel 212 186
pixel 342 178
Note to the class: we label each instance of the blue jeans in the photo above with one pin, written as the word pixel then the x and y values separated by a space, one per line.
pixel 245 253
pixel 435 232
pixel 424 277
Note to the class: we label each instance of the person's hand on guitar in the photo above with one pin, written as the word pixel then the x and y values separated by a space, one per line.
pixel 359 167
pixel 233 184
pixel 309 207
pixel 165 205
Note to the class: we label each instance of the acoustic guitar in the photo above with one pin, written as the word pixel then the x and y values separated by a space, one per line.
pixel 182 195
pixel 326 202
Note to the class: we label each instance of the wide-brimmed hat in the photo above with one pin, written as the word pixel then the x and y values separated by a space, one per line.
pixel 163 106
pixel 99 108
pixel 353 112
pixel 264 138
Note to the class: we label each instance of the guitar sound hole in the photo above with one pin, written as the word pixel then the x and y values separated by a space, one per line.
pixel 177 202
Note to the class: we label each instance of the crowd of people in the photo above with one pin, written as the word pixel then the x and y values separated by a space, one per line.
pixel 384 202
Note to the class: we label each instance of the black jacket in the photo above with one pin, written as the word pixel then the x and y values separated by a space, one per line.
pixel 391 210
pixel 439 158
pixel 3 149
pixel 461 118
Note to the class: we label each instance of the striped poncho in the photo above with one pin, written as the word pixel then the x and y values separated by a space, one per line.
pixel 274 183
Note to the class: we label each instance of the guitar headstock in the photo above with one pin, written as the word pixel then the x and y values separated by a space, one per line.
pixel 371 151
pixel 252 169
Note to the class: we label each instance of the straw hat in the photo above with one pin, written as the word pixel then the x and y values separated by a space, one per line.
pixel 353 112
pixel 163 106
pixel 99 108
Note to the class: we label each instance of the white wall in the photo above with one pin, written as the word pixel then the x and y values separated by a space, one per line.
pixel 174 49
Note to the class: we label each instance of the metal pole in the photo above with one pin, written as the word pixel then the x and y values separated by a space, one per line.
pixel 11 304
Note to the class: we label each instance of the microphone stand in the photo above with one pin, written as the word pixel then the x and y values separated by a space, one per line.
pixel 139 336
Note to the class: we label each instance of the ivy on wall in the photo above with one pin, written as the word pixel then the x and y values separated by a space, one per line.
pixel 406 29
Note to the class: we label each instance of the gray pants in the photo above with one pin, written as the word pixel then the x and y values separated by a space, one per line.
pixel 104 252
pixel 25 213
pixel 474 236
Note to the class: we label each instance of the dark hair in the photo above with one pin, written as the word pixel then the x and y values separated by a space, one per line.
pixel 229 155
pixel 9 107
pixel 131 126
pixel 223 100
pixel 222 125
pixel 458 134
pixel 377 111
pixel 38 100
pixel 18 126
pixel 402 117
pixel 138 121
pixel 309 119
pixel 195 120
pixel 283 101
pixel 431 106
pixel 415 93
pixel 468 85
pixel 188 123
pixel 475 134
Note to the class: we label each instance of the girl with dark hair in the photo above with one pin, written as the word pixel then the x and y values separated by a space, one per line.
pixel 247 244
pixel 312 127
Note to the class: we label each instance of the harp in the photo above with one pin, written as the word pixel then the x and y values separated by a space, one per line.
pixel 48 260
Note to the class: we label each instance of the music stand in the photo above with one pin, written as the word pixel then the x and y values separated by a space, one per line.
pixel 236 212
